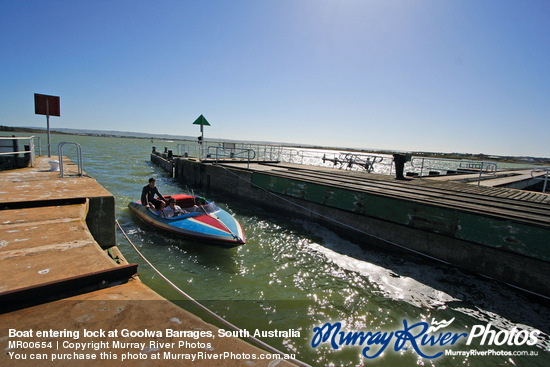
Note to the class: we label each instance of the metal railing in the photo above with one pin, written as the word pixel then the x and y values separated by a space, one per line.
pixel 456 165
pixel 15 147
pixel 295 155
pixel 278 153
pixel 237 154
pixel 545 178
pixel 183 150
pixel 79 156
pixel 351 160
pixel 207 150
pixel 264 152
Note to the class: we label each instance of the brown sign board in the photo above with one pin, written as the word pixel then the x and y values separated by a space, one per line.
pixel 46 105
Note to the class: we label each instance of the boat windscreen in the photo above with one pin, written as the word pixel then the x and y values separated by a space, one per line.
pixel 208 208
pixel 211 207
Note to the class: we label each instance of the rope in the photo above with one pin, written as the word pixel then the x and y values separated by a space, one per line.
pixel 336 221
pixel 211 313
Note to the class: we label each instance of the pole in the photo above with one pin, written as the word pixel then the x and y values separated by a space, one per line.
pixel 201 153
pixel 48 125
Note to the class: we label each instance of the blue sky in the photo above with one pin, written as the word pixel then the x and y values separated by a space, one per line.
pixel 428 75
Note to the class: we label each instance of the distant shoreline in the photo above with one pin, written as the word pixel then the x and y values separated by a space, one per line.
pixel 130 135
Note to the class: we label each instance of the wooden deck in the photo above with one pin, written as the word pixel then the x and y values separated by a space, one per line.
pixel 518 179
pixel 436 190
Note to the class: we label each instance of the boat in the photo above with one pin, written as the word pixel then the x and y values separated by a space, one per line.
pixel 202 220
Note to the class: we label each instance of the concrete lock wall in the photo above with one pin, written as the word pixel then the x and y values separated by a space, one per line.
pixel 519 269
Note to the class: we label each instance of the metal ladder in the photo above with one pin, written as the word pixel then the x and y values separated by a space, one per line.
pixel 79 155
pixel 544 178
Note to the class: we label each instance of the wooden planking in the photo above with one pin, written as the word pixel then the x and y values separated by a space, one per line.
pixel 507 203
pixel 438 199
pixel 426 189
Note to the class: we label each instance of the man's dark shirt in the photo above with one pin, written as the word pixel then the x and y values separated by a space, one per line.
pixel 148 194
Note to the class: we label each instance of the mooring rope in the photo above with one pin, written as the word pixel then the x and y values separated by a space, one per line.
pixel 336 221
pixel 207 310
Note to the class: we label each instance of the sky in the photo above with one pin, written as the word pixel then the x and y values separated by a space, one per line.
pixel 467 76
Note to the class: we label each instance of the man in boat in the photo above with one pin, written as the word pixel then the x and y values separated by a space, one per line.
pixel 199 204
pixel 173 210
pixel 148 196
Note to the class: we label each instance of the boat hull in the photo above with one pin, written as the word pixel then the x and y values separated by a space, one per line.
pixel 203 222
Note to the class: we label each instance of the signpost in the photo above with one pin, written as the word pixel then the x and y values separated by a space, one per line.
pixel 49 106
pixel 203 122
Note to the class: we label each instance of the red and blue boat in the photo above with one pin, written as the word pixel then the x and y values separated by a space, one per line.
pixel 202 220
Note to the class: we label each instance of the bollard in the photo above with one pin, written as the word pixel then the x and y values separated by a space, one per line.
pixel 399 160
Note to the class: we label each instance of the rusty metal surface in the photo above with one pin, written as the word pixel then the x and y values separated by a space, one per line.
pixel 46 246
pixel 69 286
pixel 133 307
pixel 39 183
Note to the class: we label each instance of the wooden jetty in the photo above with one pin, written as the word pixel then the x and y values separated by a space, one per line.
pixel 61 271
pixel 515 179
pixel 497 232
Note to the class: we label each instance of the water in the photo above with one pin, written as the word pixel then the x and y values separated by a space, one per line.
pixel 293 274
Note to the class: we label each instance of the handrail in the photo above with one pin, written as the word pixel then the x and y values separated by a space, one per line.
pixel 299 154
pixel 233 153
pixel 542 169
pixel 264 152
pixel 489 168
pixel 60 153
pixel 31 146
pixel 213 147
pixel 257 151
pixel 183 149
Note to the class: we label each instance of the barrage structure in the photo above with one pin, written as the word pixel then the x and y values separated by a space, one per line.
pixel 497 232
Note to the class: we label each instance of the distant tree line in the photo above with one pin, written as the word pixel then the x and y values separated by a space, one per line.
pixel 469 156
pixel 21 129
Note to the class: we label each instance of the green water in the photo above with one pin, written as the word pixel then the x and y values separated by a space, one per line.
pixel 293 274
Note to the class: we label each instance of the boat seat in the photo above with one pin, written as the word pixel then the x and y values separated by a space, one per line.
pixel 186 203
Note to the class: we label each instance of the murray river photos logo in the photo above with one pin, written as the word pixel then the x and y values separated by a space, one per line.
pixel 428 341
